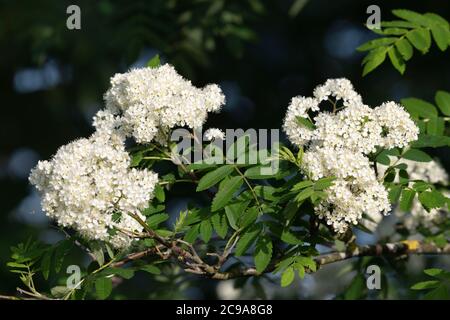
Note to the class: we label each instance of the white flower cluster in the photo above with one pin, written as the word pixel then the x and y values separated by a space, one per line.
pixel 145 103
pixel 338 143
pixel 87 182
pixel 213 134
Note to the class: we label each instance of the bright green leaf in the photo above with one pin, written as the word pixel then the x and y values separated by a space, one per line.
pixel 213 177
pixel 407 199
pixel 405 48
pixel 287 277
pixel 226 193
pixel 205 230
pixel 420 39
pixel 425 285
pixel 418 107
pixel 154 62
pixel 154 220
pixel 397 60
pixel 442 99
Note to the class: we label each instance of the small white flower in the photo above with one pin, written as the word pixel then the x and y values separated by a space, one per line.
pixel 213 134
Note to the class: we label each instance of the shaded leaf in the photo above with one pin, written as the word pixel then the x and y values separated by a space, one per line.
pixel 263 253
pixel 103 287
pixel 226 193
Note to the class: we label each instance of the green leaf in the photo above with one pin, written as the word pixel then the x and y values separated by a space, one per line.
pixel 417 155
pixel 407 199
pixel 302 184
pixel 391 31
pixel 301 271
pixel 219 222
pixel 437 19
pixel 59 291
pixel 397 60
pixel 110 251
pixel 136 159
pixel 307 262
pixel 154 220
pixel 403 177
pixel 394 193
pixel 150 268
pixel 411 16
pixel 284 263
pixel 103 287
pixel 376 43
pixel 436 126
pixel 425 285
pixel 290 238
pixel 440 293
pixel 159 193
pixel 420 39
pixel 305 122
pixel 442 99
pixel 213 177
pixel 46 263
pixel 63 248
pixel 226 193
pixel 398 24
pixel 304 194
pixel 383 158
pixel 290 210
pixel 432 199
pixel 375 60
pixel 153 209
pixel 248 217
pixel 421 186
pixel 356 290
pixel 255 173
pixel 266 192
pixel 247 238
pixel 287 277
pixel 433 272
pixel 263 253
pixel 121 272
pixel 426 140
pixel 233 212
pixel 205 230
pixel 441 36
pixel 405 48
pixel 324 183
pixel 192 233
pixel 418 107
pixel 154 62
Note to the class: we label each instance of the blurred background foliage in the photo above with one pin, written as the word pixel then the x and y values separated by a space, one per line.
pixel 261 53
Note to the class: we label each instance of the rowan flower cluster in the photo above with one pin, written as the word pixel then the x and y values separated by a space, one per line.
pixel 337 143
pixel 88 184
pixel 145 103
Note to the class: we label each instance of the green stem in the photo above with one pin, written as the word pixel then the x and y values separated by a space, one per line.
pixel 250 187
